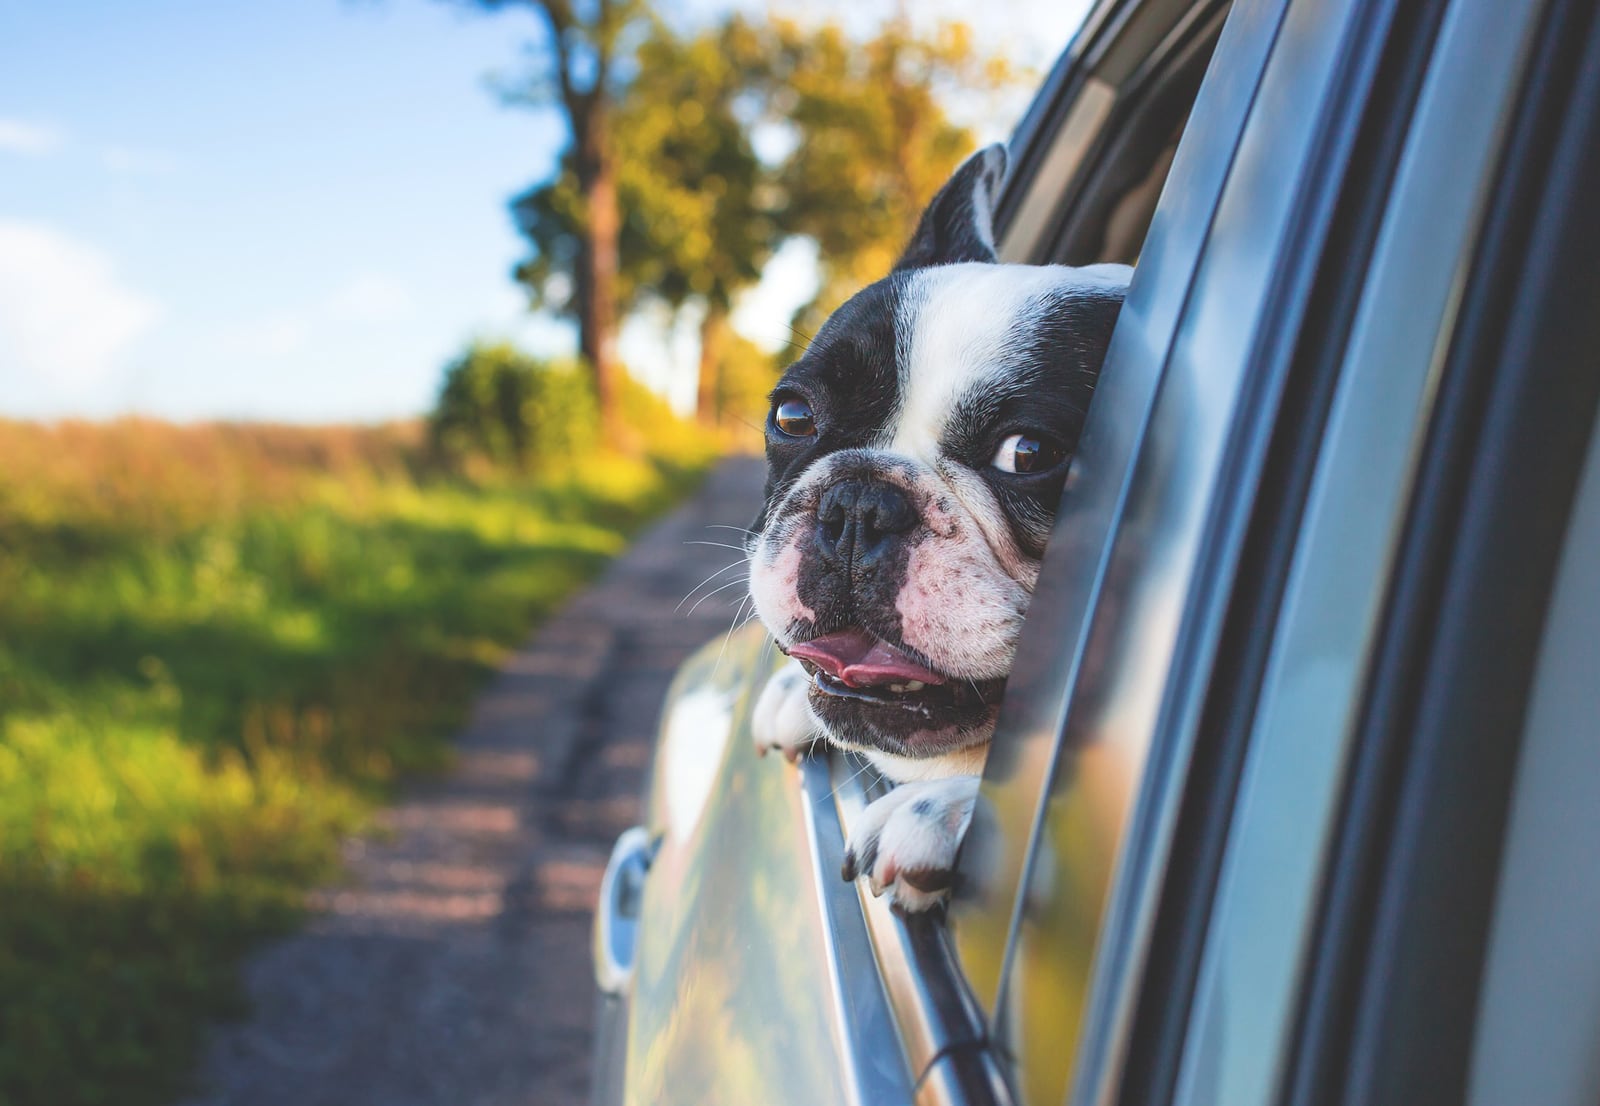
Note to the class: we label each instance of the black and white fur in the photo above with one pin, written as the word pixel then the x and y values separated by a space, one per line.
pixel 897 516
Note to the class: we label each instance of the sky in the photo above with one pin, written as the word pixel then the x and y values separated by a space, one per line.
pixel 296 210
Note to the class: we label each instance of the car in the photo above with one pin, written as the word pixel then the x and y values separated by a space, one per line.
pixel 1295 795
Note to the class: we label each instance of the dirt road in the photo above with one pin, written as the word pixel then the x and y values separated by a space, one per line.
pixel 453 969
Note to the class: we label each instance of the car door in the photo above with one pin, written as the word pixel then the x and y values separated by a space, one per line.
pixel 1251 855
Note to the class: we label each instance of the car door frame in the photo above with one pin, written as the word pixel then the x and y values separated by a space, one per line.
pixel 1470 73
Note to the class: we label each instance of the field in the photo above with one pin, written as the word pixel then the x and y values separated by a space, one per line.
pixel 219 647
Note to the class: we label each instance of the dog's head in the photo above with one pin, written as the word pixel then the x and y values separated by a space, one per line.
pixel 916 454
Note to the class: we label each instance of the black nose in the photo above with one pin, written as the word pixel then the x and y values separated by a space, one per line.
pixel 857 521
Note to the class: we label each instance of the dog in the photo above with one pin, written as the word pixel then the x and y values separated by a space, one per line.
pixel 916 453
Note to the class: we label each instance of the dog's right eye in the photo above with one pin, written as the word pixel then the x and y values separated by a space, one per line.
pixel 1023 454
pixel 794 419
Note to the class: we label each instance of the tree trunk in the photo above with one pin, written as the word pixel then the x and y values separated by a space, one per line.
pixel 597 266
pixel 713 335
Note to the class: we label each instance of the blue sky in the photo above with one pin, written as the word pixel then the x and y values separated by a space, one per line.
pixel 289 210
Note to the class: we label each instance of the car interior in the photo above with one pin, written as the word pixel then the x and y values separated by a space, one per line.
pixel 1099 142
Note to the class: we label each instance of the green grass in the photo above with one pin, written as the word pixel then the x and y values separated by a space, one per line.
pixel 202 689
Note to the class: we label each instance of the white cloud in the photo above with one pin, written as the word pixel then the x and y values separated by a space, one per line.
pixel 29 139
pixel 39 140
pixel 66 319
pixel 369 298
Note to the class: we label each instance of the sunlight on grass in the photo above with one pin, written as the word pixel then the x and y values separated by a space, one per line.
pixel 219 646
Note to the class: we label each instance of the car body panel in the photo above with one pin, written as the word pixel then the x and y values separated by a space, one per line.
pixel 1540 1014
pixel 1283 816
pixel 754 978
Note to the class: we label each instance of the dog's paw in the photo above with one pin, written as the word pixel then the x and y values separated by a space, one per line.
pixel 782 718
pixel 905 843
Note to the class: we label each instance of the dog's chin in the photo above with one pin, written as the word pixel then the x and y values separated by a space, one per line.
pixel 936 721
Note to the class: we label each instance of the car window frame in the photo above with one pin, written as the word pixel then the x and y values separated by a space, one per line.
pixel 1323 643
pixel 1252 290
pixel 1351 175
pixel 1126 927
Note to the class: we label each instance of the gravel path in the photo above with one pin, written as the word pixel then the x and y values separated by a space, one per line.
pixel 454 968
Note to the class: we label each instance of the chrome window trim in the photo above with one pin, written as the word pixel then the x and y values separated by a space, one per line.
pixel 1241 1023
pixel 871 1045
pixel 932 1009
pixel 959 1077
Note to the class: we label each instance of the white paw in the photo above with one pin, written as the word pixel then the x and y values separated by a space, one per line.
pixel 905 843
pixel 782 718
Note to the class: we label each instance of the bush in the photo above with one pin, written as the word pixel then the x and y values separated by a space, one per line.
pixel 502 411
pixel 502 408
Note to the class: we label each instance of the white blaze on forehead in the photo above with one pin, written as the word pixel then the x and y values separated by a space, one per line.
pixel 954 327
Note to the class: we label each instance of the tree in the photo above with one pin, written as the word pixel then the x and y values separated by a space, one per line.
pixel 574 221
pixel 872 141
pixel 700 219
pixel 660 194
pixel 868 144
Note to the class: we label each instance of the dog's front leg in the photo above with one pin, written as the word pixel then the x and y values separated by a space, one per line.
pixel 906 842
pixel 782 718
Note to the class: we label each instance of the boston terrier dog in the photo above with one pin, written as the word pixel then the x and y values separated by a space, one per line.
pixel 916 453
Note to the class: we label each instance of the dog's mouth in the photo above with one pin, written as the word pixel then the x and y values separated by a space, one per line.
pixel 854 664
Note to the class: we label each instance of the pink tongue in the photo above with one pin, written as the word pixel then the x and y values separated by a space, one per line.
pixel 861 660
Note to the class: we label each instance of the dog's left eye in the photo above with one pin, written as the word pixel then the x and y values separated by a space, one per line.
pixel 1023 453
pixel 793 418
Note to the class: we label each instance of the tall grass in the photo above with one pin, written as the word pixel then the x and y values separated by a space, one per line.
pixel 219 645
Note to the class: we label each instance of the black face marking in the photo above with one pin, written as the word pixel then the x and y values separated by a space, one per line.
pixel 907 733
pixel 849 378
pixel 1042 388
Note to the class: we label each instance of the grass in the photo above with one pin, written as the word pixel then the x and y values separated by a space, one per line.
pixel 219 648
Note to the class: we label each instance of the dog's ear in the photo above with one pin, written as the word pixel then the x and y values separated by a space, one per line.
pixel 959 222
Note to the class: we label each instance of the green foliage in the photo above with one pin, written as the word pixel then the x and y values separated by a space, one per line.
pixel 872 141
pixel 500 410
pixel 199 696
pixel 499 406
pixel 867 142
pixel 696 204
